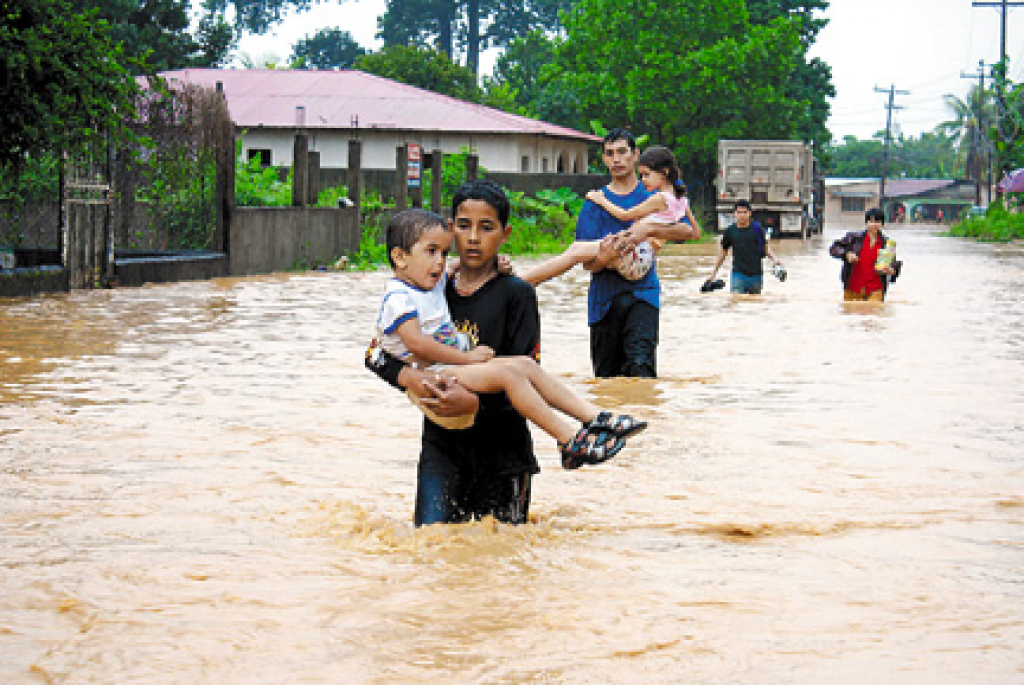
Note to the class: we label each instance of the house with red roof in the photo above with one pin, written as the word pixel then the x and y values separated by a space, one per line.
pixel 333 107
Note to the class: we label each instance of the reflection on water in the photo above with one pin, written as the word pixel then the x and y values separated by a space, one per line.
pixel 201 484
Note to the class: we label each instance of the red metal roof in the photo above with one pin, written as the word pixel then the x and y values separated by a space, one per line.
pixel 349 98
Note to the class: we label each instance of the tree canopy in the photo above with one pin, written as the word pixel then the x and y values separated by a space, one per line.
pixel 156 32
pixel 687 73
pixel 327 49
pixel 65 83
pixel 423 68
pixel 930 156
pixel 452 26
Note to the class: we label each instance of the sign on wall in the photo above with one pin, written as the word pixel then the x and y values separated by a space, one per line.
pixel 415 163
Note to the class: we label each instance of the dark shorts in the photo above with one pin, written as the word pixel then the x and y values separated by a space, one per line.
pixel 625 341
pixel 449 493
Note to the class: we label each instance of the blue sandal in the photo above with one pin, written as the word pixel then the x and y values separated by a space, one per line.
pixel 590 446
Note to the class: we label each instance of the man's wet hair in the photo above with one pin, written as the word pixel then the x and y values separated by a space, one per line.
pixel 741 203
pixel 486 191
pixel 407 227
pixel 874 213
pixel 617 134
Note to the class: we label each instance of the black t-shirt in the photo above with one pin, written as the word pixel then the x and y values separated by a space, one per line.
pixel 747 248
pixel 503 315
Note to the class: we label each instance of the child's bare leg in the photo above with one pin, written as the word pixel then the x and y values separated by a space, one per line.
pixel 554 392
pixel 499 375
pixel 580 252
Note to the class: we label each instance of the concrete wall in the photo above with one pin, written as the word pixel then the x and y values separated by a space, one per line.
pixel 24 281
pixel 134 271
pixel 269 239
pixel 497 152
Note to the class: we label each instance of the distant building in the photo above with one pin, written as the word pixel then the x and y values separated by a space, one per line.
pixel 906 199
pixel 333 107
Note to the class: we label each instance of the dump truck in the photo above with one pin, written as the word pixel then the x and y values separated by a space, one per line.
pixel 779 179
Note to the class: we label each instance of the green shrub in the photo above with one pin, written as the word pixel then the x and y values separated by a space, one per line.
pixel 259 186
pixel 998 225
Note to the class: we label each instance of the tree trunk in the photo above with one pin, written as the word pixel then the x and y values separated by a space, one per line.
pixel 473 56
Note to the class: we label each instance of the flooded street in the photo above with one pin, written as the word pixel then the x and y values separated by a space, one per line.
pixel 201 484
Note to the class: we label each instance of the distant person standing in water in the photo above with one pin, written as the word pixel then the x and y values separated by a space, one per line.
pixel 859 252
pixel 749 245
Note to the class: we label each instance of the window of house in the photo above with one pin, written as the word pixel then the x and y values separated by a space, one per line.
pixel 853 204
pixel 560 165
pixel 263 155
pixel 544 165
pixel 524 165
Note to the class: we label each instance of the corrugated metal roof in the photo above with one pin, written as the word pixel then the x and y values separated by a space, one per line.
pixel 350 98
pixel 901 187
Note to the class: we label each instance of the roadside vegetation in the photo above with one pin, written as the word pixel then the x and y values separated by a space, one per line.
pixel 998 225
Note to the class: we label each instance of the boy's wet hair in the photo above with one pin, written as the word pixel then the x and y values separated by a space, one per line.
pixel 407 227
pixel 741 203
pixel 485 191
pixel 661 159
pixel 874 213
pixel 619 134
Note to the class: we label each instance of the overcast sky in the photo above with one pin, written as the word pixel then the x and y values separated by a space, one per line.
pixel 919 46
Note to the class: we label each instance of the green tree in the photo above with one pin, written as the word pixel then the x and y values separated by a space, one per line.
pixel 855 158
pixel 423 68
pixel 811 80
pixel 517 72
pixel 327 49
pixel 1008 135
pixel 65 82
pixel 470 26
pixel 156 32
pixel 688 73
pixel 968 130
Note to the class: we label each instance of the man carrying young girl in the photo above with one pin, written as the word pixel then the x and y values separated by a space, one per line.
pixel 623 312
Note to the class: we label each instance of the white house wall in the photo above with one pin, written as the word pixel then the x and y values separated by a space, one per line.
pixel 499 153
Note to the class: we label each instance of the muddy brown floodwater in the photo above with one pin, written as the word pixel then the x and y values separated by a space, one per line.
pixel 202 485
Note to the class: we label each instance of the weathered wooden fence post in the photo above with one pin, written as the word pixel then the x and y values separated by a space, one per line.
pixel 401 178
pixel 300 169
pixel 355 172
pixel 355 184
pixel 436 180
pixel 313 182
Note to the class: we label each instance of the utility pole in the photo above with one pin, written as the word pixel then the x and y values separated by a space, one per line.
pixel 888 136
pixel 1000 76
pixel 978 132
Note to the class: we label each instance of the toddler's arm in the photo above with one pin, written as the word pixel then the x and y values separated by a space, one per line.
pixel 655 203
pixel 425 348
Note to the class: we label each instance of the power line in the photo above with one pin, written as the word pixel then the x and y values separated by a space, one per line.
pixel 888 137
pixel 976 133
pixel 1000 76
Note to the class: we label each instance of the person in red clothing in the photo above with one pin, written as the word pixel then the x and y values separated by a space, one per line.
pixel 859 250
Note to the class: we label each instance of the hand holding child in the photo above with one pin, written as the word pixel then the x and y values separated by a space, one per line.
pixel 480 354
